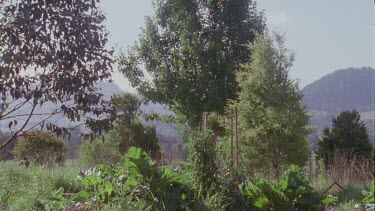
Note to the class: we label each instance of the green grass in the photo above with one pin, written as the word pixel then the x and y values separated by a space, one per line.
pixel 348 198
pixel 23 188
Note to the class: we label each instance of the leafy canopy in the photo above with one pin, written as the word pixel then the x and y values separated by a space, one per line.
pixel 190 49
pixel 53 51
pixel 347 136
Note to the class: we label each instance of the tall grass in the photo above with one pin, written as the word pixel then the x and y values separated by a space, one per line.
pixel 354 175
pixel 24 188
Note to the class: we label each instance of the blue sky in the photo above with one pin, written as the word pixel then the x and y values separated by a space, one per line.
pixel 326 35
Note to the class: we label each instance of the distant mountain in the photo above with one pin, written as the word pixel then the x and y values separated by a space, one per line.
pixel 339 91
pixel 342 90
pixel 166 132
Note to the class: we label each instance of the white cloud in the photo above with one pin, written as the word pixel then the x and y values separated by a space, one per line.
pixel 278 18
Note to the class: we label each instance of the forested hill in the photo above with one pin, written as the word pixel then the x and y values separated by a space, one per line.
pixel 342 90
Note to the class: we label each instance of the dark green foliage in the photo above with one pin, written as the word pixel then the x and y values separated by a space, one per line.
pixel 191 48
pixel 348 136
pixel 129 131
pixel 53 51
pixel 42 148
pixel 292 193
pixel 135 135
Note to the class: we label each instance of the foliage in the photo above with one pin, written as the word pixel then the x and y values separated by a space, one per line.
pixel 99 152
pixel 129 131
pixel 203 159
pixel 42 148
pixel 348 136
pixel 272 121
pixel 136 183
pixel 369 195
pixel 191 48
pixel 53 52
pixel 291 193
pixel 135 135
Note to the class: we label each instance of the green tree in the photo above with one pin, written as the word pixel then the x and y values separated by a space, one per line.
pixel 129 131
pixel 191 48
pixel 42 148
pixel 52 52
pixel 348 136
pixel 272 121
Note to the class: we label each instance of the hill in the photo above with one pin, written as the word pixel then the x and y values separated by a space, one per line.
pixel 167 133
pixel 342 90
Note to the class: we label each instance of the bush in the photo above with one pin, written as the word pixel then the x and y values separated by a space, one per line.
pixel 42 148
pixel 99 152
pixel 292 193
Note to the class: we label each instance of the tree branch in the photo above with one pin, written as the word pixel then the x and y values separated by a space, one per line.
pixel 17 134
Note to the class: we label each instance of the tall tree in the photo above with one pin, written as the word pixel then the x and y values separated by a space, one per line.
pixel 53 51
pixel 191 49
pixel 272 121
pixel 347 136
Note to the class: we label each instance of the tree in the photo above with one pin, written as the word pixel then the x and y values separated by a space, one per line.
pixel 129 131
pixel 191 49
pixel 53 52
pixel 42 148
pixel 272 121
pixel 348 136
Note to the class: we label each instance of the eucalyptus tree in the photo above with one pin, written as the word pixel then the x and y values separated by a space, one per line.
pixel 53 51
pixel 190 50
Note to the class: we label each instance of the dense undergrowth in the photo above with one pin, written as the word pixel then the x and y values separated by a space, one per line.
pixel 138 183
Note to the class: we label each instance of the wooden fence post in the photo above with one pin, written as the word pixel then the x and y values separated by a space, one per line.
pixel 236 150
pixel 231 135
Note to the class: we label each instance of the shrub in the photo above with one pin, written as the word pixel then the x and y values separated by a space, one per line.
pixel 42 148
pixel 99 152
pixel 292 193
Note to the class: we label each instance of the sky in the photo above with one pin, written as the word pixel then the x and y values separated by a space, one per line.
pixel 326 35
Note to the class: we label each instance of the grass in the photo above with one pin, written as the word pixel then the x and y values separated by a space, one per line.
pixel 354 176
pixel 24 188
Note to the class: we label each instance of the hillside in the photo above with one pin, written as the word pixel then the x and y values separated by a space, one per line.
pixel 167 133
pixel 341 90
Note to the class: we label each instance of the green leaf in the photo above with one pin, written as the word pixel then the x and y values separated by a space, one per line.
pixel 91 180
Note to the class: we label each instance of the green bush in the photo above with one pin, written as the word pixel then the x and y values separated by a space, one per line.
pixel 136 183
pixel 292 193
pixel 42 148
pixel 99 152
